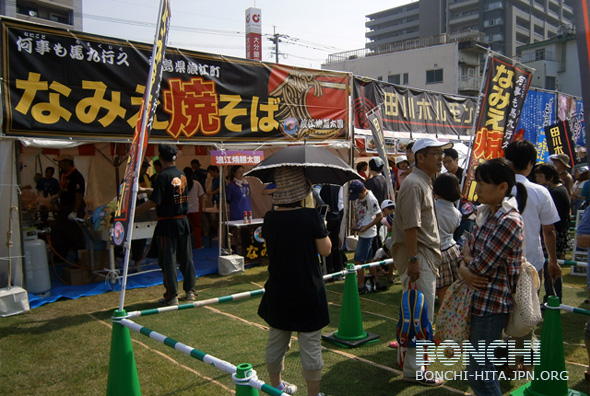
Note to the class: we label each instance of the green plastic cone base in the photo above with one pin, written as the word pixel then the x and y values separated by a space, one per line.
pixel 123 379
pixel 350 328
pixel 334 339
pixel 552 359
pixel 244 370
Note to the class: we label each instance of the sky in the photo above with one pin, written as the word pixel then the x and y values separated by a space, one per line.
pixel 316 28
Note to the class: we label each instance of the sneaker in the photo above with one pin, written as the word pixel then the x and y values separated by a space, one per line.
pixel 364 290
pixel 378 287
pixel 168 303
pixel 191 296
pixel 394 344
pixel 287 388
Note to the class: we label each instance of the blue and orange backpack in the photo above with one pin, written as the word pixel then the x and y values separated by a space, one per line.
pixel 413 323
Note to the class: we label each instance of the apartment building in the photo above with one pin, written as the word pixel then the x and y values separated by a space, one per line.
pixel 506 24
pixel 59 13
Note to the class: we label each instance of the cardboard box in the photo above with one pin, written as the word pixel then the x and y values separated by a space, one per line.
pixel 77 276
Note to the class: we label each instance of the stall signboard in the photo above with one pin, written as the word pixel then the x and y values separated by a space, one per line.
pixel 235 157
pixel 412 110
pixel 67 84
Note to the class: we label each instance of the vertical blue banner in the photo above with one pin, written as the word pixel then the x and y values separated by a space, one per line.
pixel 537 113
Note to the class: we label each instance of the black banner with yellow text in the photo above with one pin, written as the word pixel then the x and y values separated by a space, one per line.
pixel 502 98
pixel 60 83
pixel 412 110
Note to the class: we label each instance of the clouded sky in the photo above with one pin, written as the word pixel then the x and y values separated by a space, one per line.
pixel 315 28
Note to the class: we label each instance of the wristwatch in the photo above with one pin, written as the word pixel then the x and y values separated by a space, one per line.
pixel 412 259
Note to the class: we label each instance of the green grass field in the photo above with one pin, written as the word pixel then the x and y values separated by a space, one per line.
pixel 63 348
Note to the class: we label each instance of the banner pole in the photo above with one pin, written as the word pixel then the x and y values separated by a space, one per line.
pixel 148 106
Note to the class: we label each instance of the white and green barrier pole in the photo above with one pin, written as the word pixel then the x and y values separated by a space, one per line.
pixel 197 304
pixel 357 268
pixel 243 375
pixel 569 263
pixel 569 308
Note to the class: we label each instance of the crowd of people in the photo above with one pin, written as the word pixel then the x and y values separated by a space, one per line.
pixel 434 235
pixel 522 213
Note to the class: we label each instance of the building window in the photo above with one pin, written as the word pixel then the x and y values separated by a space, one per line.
pixel 27 10
pixel 61 17
pixel 434 76
pixel 393 79
pixel 494 6
pixel 406 79
pixel 540 54
pixel 380 78
pixel 550 82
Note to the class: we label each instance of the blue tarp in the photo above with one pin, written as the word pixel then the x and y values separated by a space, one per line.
pixel 205 263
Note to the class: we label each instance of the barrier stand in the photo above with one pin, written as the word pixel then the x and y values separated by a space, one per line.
pixel 246 378
pixel 243 374
pixel 350 332
pixel 552 359
pixel 123 378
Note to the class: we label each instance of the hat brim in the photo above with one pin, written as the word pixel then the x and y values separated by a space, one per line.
pixel 560 160
pixel 443 145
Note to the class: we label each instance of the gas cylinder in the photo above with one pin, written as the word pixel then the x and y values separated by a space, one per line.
pixel 36 267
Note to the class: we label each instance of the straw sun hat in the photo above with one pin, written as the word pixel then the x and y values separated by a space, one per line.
pixel 292 186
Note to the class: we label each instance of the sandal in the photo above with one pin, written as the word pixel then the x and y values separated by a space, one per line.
pixel 431 382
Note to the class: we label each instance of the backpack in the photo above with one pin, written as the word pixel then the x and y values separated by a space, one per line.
pixel 413 323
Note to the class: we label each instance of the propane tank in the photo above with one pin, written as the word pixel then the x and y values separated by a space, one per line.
pixel 36 268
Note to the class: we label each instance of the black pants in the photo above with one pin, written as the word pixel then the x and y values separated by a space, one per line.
pixel 334 262
pixel 173 249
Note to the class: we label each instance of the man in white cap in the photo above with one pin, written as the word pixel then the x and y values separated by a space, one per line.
pixel 416 245
pixel 562 163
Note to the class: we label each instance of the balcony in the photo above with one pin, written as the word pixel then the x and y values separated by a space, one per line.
pixel 457 4
pixel 463 19
pixel 469 85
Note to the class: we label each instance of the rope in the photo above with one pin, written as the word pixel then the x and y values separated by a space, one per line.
pixel 53 266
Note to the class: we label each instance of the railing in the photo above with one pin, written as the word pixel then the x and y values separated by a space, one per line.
pixel 407 45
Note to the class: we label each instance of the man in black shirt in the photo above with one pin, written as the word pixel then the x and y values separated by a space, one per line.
pixel 66 235
pixel 172 233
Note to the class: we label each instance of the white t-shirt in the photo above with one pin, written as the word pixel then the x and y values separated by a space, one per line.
pixel 539 210
pixel 448 218
pixel 366 209
pixel 193 197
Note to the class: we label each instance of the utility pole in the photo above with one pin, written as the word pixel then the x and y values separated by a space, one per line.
pixel 276 39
